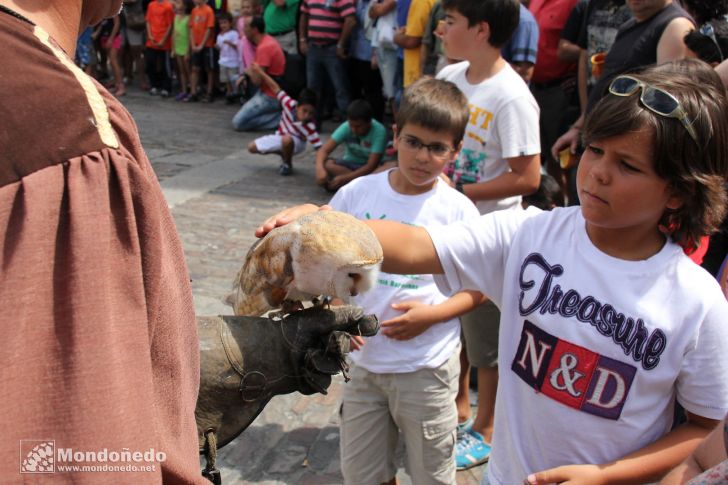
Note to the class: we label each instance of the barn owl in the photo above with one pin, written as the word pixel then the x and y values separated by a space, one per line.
pixel 324 253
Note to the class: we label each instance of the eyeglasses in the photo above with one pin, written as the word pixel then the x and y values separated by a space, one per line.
pixel 436 150
pixel 655 99
pixel 707 30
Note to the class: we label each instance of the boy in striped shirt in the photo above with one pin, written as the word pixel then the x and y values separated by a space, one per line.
pixel 295 128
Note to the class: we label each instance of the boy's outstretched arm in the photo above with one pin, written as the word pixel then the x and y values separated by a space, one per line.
pixel 418 316
pixel 645 465
pixel 407 249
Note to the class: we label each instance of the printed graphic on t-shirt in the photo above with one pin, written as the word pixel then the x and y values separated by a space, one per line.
pixel 572 375
pixel 466 167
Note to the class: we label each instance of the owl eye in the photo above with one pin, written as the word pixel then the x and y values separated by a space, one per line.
pixel 355 276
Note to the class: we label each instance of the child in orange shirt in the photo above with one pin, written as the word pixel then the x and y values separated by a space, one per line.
pixel 202 42
pixel 160 21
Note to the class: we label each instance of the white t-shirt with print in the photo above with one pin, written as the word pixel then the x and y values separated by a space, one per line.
pixel 372 197
pixel 593 349
pixel 503 124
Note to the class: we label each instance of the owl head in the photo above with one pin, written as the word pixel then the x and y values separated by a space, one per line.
pixel 338 256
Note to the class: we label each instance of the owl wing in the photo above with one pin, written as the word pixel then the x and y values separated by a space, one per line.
pixel 262 282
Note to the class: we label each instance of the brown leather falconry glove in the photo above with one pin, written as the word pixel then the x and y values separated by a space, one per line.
pixel 244 361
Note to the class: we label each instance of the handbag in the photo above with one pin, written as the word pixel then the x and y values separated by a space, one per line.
pixel 384 29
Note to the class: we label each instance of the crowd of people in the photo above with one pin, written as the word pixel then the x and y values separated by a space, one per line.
pixel 602 341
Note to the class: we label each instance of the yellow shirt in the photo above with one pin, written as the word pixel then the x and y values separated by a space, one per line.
pixel 417 17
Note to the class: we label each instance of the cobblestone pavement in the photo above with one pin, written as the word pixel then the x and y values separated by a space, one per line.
pixel 218 194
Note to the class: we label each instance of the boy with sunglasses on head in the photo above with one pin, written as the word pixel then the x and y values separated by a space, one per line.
pixel 405 378
pixel 605 320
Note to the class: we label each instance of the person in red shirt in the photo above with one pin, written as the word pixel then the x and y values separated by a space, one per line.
pixel 262 111
pixel 202 45
pixel 160 21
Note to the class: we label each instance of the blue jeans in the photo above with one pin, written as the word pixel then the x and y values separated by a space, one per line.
pixel 322 59
pixel 261 112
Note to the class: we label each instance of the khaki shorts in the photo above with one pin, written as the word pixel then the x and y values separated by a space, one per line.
pixel 420 405
pixel 480 331
pixel 228 74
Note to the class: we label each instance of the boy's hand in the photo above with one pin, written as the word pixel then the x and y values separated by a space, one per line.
pixel 287 215
pixel 569 475
pixel 417 318
pixel 356 342
pixel 336 182
pixel 569 140
pixel 321 176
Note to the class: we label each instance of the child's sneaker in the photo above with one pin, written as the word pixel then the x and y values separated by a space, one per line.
pixel 180 97
pixel 154 91
pixel 285 169
pixel 471 450
pixel 464 427
pixel 164 93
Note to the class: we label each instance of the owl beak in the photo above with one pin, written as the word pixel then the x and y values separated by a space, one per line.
pixel 355 277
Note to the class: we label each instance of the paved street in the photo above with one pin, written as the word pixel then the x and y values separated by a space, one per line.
pixel 218 194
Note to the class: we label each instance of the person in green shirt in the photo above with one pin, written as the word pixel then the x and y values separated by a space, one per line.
pixel 365 140
pixel 280 21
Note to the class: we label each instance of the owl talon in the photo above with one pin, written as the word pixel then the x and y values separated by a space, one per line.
pixel 322 302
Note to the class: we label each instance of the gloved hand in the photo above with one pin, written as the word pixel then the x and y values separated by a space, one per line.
pixel 244 361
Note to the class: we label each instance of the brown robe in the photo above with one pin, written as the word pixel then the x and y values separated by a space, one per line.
pixel 99 347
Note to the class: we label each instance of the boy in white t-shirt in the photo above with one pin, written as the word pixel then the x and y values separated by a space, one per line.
pixel 606 321
pixel 499 162
pixel 405 378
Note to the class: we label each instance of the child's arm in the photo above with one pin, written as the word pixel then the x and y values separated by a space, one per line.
pixel 522 179
pixel 418 317
pixel 646 465
pixel 265 79
pixel 208 33
pixel 193 47
pixel 115 28
pixel 168 33
pixel 407 249
pixel 321 155
pixel 710 453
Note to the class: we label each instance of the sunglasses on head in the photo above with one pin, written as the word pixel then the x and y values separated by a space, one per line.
pixel 655 99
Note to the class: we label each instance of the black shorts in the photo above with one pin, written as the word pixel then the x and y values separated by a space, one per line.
pixel 204 59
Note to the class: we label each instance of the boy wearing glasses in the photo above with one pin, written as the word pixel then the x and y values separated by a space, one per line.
pixel 499 162
pixel 405 378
